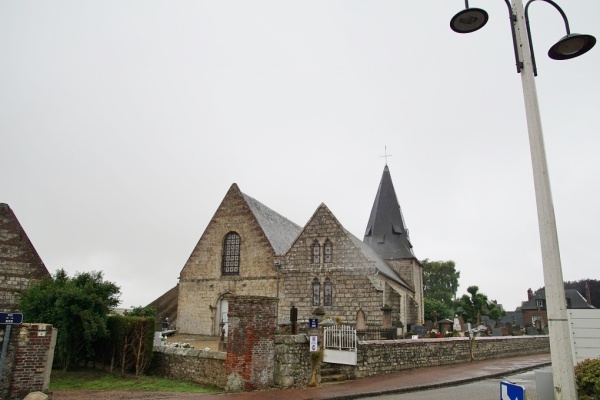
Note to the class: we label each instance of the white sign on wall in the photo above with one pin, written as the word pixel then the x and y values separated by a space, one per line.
pixel 584 326
pixel 314 346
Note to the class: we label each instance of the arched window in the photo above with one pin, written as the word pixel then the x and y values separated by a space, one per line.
pixel 316 252
pixel 328 252
pixel 230 264
pixel 316 289
pixel 328 293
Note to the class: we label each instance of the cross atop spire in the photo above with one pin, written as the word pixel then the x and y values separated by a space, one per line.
pixel 385 154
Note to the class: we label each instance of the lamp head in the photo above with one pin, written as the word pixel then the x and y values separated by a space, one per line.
pixel 469 20
pixel 571 46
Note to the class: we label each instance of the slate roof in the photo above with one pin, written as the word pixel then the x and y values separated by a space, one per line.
pixel 380 264
pixel 280 231
pixel 386 232
pixel 577 300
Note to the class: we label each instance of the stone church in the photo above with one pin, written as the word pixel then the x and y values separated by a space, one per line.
pixel 321 268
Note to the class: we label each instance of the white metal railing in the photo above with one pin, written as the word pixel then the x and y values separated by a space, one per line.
pixel 340 337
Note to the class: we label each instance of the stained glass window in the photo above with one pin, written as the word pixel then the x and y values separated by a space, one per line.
pixel 316 252
pixel 231 254
pixel 328 252
pixel 328 293
pixel 316 286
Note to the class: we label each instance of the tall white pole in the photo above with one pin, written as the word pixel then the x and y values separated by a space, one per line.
pixel 563 372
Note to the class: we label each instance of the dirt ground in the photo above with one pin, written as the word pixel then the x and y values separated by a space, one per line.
pixel 199 342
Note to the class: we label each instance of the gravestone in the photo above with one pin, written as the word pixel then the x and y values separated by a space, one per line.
pixel 428 325
pixel 419 330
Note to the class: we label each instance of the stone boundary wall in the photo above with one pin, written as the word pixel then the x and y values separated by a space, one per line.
pixel 292 367
pixel 193 365
pixel 384 356
pixel 28 362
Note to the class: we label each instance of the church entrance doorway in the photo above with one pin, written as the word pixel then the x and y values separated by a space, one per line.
pixel 222 318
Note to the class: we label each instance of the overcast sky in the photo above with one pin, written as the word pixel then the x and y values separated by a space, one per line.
pixel 123 124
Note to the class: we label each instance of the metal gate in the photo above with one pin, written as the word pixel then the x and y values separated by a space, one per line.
pixel 339 344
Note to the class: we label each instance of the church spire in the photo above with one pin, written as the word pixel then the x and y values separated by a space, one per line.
pixel 386 232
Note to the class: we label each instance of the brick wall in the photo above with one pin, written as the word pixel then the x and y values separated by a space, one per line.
pixel 200 366
pixel 29 360
pixel 251 343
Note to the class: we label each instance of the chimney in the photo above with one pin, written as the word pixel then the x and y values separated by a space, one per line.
pixel 529 294
pixel 588 296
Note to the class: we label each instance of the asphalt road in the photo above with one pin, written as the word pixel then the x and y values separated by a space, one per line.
pixel 481 390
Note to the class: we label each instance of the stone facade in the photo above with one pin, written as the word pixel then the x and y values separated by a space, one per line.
pixel 28 362
pixel 202 286
pixel 20 264
pixel 352 277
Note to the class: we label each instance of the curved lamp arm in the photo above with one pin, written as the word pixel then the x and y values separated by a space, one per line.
pixel 564 16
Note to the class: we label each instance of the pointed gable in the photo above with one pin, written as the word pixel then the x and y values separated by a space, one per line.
pixel 386 233
pixel 368 254
pixel 20 264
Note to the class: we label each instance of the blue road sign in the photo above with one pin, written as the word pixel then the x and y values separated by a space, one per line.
pixel 11 318
pixel 313 323
pixel 510 391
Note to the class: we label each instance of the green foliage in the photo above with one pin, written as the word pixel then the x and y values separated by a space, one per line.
pixel 495 312
pixel 78 307
pixel 148 311
pixel 130 343
pixel 587 376
pixel 472 306
pixel 440 280
pixel 442 310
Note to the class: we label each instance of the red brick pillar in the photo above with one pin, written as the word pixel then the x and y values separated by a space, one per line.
pixel 251 343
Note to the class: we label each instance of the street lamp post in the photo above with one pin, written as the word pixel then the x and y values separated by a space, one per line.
pixel 572 45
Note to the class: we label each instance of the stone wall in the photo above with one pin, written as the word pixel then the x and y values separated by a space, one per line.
pixel 201 284
pixel 292 361
pixel 199 366
pixel 385 356
pixel 292 365
pixel 28 362
pixel 20 264
pixel 352 275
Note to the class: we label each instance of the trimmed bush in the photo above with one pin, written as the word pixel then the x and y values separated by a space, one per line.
pixel 587 376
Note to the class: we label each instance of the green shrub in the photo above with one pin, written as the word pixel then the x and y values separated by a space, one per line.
pixel 587 376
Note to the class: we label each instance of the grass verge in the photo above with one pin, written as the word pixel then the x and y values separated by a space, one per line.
pixel 90 379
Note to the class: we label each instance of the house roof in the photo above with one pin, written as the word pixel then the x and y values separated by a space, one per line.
pixel 386 233
pixel 280 231
pixel 577 300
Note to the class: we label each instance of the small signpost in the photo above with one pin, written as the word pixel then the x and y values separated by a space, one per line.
pixel 9 319
pixel 510 391
pixel 313 323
